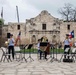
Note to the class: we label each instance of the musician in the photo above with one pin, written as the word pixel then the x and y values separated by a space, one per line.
pixel 11 45
pixel 66 45
pixel 47 50
pixel 39 50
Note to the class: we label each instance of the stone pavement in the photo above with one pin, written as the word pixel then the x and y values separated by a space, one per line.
pixel 37 67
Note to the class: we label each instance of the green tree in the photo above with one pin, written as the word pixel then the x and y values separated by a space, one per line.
pixel 1 26
pixel 1 21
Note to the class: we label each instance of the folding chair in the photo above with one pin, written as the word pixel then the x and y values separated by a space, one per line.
pixel 17 52
pixel 73 54
pixel 5 54
pixel 42 49
pixel 38 54
pixel 66 53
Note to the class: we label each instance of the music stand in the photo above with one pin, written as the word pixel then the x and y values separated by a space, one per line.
pixel 50 51
pixel 23 47
pixel 29 48
pixel 43 44
pixel 54 58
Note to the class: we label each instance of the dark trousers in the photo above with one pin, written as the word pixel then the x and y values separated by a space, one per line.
pixel 39 51
pixel 66 46
pixel 45 54
pixel 11 48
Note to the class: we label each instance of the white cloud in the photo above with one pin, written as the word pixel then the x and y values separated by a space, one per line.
pixel 3 2
pixel 30 8
pixel 25 10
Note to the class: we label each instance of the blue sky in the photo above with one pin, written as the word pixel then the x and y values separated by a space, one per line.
pixel 31 8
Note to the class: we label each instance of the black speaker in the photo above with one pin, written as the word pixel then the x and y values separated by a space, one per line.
pixel 8 35
pixel 67 60
pixel 43 43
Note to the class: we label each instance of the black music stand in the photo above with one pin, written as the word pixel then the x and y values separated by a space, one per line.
pixel 43 43
pixel 54 58
pixel 23 47
pixel 50 51
pixel 29 48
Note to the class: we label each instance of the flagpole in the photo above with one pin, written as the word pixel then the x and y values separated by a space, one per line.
pixel 18 40
pixel 17 14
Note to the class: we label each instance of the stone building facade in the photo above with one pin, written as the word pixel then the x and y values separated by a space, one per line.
pixel 43 25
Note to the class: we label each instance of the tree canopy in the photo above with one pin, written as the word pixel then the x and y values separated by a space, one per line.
pixel 1 21
pixel 68 12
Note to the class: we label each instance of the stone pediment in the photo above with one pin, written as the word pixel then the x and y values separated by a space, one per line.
pixel 44 16
pixel 46 13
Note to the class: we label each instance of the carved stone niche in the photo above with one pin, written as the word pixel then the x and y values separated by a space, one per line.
pixel 54 36
pixel 54 24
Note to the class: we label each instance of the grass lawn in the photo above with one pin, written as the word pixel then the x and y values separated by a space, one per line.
pixel 35 50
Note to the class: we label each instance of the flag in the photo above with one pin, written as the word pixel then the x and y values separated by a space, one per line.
pixel 19 34
pixel 2 13
pixel 18 38
pixel 71 34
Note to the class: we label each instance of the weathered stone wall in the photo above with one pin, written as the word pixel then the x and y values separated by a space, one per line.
pixel 13 29
pixel 32 30
pixel 35 24
pixel 64 30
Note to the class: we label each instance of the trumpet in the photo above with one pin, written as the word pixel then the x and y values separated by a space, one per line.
pixel 6 42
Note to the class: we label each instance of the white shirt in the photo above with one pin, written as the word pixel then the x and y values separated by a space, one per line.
pixel 11 42
pixel 66 42
pixel 38 45
pixel 75 43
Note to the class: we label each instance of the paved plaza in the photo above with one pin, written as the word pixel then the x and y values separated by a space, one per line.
pixel 37 67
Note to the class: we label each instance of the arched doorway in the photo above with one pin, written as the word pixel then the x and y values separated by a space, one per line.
pixel 44 39
pixel 54 39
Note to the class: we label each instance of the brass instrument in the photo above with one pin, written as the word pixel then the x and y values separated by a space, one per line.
pixel 6 43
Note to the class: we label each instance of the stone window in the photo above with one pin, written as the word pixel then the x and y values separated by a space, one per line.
pixel 18 27
pixel 57 27
pixel 68 27
pixel 44 26
pixel 33 36
pixel 54 36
